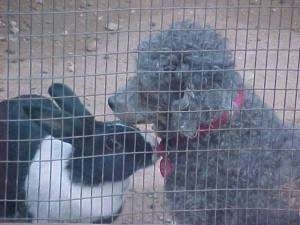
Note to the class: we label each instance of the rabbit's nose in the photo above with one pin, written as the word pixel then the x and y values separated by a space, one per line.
pixel 111 103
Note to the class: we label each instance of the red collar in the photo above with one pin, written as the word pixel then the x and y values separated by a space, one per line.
pixel 166 166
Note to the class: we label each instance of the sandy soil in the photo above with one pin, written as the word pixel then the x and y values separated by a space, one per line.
pixel 44 41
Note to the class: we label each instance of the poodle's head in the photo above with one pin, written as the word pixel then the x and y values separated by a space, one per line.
pixel 185 78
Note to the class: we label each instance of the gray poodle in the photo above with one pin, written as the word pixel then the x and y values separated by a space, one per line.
pixel 226 157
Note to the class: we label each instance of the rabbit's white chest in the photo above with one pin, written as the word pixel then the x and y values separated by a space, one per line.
pixel 51 196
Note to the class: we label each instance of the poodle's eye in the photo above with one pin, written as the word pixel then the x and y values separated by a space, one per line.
pixel 112 145
pixel 184 108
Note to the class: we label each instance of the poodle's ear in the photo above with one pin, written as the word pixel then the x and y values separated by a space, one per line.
pixel 67 100
pixel 183 103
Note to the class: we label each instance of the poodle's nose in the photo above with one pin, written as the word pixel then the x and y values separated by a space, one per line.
pixel 111 103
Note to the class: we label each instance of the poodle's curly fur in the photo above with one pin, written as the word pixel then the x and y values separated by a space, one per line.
pixel 246 172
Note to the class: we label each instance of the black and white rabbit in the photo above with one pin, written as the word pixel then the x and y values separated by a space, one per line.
pixel 20 139
pixel 70 168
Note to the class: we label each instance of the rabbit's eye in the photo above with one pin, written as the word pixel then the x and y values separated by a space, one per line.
pixel 118 145
pixel 109 145
pixel 112 145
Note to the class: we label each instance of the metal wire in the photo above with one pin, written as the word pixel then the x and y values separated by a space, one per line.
pixel 95 48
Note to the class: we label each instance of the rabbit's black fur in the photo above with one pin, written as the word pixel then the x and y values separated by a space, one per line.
pixel 98 156
pixel 89 129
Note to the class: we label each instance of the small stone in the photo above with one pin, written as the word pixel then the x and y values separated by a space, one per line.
pixel 26 24
pixel 70 66
pixel 17 60
pixel 13 27
pixel 152 24
pixel 254 2
pixel 111 26
pixel 14 60
pixel 33 7
pixel 10 51
pixel 82 6
pixel 150 195
pixel 91 45
pixel 39 1
pixel 168 220
pixel 13 23
pixel 165 219
pixel 106 56
pixel 2 24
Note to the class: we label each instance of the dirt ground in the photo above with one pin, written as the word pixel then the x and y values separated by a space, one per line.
pixel 45 41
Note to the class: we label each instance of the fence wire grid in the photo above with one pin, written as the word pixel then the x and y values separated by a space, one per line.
pixel 150 111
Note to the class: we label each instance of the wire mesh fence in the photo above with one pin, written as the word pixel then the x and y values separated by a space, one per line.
pixel 150 111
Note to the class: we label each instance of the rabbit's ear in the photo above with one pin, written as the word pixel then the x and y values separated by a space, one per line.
pixel 67 100
pixel 45 113
pixel 19 119
pixel 71 104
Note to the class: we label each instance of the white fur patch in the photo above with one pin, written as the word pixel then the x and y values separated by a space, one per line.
pixel 153 141
pixel 51 195
pixel 150 138
pixel 121 125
